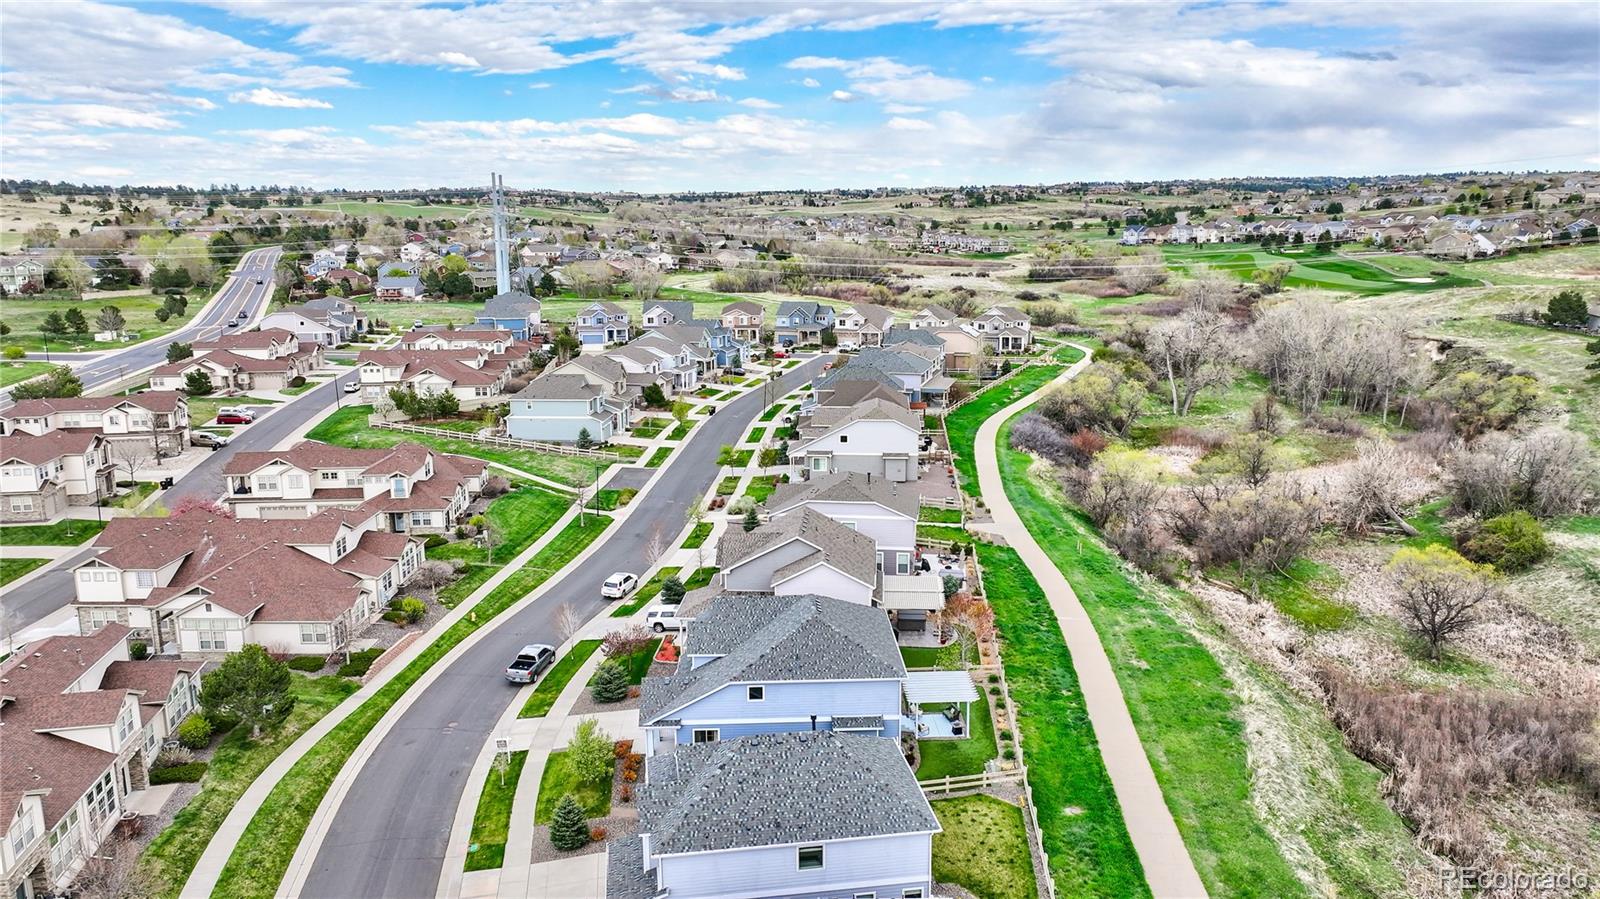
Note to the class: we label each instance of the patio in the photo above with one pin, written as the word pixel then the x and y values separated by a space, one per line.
pixel 933 696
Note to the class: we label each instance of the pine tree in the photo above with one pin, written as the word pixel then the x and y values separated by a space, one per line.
pixel 672 588
pixel 569 830
pixel 198 383
pixel 585 441
pixel 610 682
pixel 76 321
pixel 751 521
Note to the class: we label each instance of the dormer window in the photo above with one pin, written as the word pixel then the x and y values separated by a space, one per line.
pixel 398 488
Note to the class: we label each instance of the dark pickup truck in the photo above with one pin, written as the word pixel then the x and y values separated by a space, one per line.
pixel 532 659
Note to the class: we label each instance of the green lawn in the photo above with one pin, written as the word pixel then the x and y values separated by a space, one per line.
pixel 658 457
pixel 728 485
pixel 558 780
pixel 1079 817
pixel 516 520
pixel 943 534
pixel 348 427
pixel 954 758
pixel 735 458
pixel 17 372
pixel 945 657
pixel 962 425
pixel 772 411
pixel 238 760
pixel 637 663
pixel 1190 719
pixel 934 515
pixel 11 569
pixel 984 847
pixel 492 822
pixel 761 487
pixel 755 435
pixel 646 592
pixel 66 532
pixel 135 495
pixel 25 316
pixel 1310 268
pixel 649 427
pixel 698 536
pixel 701 578
pixel 555 680
pixel 264 849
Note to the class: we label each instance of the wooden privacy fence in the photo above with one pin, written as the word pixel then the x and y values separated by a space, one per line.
pixel 558 449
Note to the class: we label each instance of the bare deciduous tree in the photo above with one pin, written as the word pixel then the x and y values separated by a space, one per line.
pixel 1439 590
pixel 130 454
pixel 1547 473
pixel 645 283
pixel 1192 353
pixel 113 872
pixel 567 621
pixel 655 544
pixel 431 575
pixel 1143 272
pixel 1376 486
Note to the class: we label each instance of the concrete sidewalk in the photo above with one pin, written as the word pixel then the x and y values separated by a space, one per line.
pixel 1168 869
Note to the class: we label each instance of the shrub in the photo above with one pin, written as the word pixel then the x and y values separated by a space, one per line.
pixel 672 591
pixel 1546 473
pixel 1510 542
pixel 993 678
pixel 1005 735
pixel 1008 754
pixel 610 682
pixel 138 650
pixel 1033 433
pixel 622 749
pixel 626 642
pixel 496 486
pixel 15 352
pixel 411 609
pixel 297 381
pixel 171 758
pixel 360 662
pixel 178 774
pixel 596 834
pixel 434 541
pixel 194 732
pixel 308 663
pixel 568 828
pixel 625 794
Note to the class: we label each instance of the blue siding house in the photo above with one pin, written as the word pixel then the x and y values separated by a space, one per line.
pixel 760 663
pixel 810 814
pixel 601 323
pixel 801 323
pixel 512 311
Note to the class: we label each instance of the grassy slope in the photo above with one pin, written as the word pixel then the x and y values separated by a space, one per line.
pixel 1191 716
pixel 962 425
pixel 264 850
pixel 348 427
pixel 17 372
pixel 984 847
pixel 139 312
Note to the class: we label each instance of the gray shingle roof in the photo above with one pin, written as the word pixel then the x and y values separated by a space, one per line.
pixel 511 304
pixel 845 548
pixel 851 392
pixel 558 387
pixel 680 310
pixel 903 334
pixel 826 418
pixel 774 789
pixel 846 487
pixel 626 877
pixel 761 637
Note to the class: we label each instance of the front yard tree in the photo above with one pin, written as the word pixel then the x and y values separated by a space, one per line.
pixel 197 383
pixel 610 682
pixel 585 441
pixel 1567 308
pixel 76 321
pixel 72 273
pixel 591 752
pixel 672 590
pixel 751 521
pixel 177 351
pixel 110 319
pixel 1438 591
pixel 249 685
pixel 566 345
pixel 569 830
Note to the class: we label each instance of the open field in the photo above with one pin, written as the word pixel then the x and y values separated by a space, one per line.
pixel 1329 271
pixel 17 372
pixel 25 316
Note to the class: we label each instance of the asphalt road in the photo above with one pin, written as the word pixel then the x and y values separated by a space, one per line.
pixel 388 836
pixel 241 292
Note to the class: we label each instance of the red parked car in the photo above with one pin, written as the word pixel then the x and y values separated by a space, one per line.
pixel 234 418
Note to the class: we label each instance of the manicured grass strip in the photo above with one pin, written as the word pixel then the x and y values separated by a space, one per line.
pixel 555 680
pixel 681 431
pixel 11 569
pixel 772 412
pixel 659 456
pixel 727 485
pixel 761 487
pixel 558 780
pixel 491 824
pixel 649 427
pixel 697 537
pixel 348 427
pixel 637 663
pixel 735 458
pixel 939 533
pixel 66 532
pixel 645 593
pixel 983 847
pixel 515 520
pixel 262 855
pixel 935 515
pixel 1090 852
pixel 953 758
pixel 17 372
pixel 237 762
pixel 701 578
pixel 962 425
pixel 755 435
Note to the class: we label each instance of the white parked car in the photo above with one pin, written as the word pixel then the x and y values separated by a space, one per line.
pixel 618 585
pixel 352 387
pixel 661 620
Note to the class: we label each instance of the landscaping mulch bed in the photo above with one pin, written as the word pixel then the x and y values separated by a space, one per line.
pixel 587 706
pixel 387 633
pixel 616 826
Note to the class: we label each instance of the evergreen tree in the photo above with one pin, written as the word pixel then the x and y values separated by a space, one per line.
pixel 751 521
pixel 585 441
pixel 610 682
pixel 178 351
pixel 672 589
pixel 198 383
pixel 80 325
pixel 54 325
pixel 248 685
pixel 569 830
pixel 1566 308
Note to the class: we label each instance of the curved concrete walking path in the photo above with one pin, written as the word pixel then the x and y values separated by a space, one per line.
pixel 1167 867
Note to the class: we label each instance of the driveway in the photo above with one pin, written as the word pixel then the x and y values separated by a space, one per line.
pixel 388 837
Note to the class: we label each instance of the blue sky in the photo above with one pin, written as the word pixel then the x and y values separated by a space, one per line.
pixel 693 95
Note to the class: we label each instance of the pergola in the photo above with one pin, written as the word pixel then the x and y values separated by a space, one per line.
pixel 941 687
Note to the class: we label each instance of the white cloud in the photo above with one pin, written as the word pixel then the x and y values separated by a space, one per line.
pixel 810 82
pixel 903 109
pixel 903 124
pixel 458 59
pixel 540 85
pixel 886 79
pixel 263 96
pixel 842 96
pixel 758 103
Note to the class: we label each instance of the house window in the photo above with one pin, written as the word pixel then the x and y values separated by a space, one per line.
pixel 388 581
pixel 102 799
pixel 328 476
pixel 819 463
pixel 24 830
pixel 22 504
pixel 297 482
pixel 756 693
pixel 844 438
pixel 911 893
pixel 865 896
pixel 99 618
pixel 313 633
pixel 340 547
pixel 212 636
pixel 146 579
pixel 809 858
pixel 267 484
pixel 706 734
pixel 64 839
pixel 421 519
pixel 126 722
pixel 902 563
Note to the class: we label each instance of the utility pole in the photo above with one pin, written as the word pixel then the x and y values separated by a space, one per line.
pixel 502 251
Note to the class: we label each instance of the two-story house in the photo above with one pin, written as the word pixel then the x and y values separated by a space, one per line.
pixel 881 509
pixel 82 726
pixel 41 476
pixel 756 663
pixel 744 319
pixel 513 311
pixel 657 313
pixel 156 419
pixel 862 325
pixel 309 326
pixel 1005 329
pixel 411 488
pixel 914 369
pixel 16 271
pixel 464 372
pixel 602 323
pixel 801 322
pixel 876 437
pixel 814 813
pixel 622 390
pixel 229 372
pixel 201 584
pixel 488 338
pixel 933 316
pixel 712 345
pixel 397 287
pixel 558 408
pixel 807 552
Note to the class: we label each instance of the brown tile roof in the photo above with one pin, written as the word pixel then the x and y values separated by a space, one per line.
pixel 231 360
pixel 247 340
pixel 151 400
pixel 47 446
pixel 153 677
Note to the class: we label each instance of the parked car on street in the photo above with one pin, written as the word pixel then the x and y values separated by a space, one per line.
pixel 530 660
pixel 352 387
pixel 661 620
pixel 227 416
pixel 206 438
pixel 618 585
